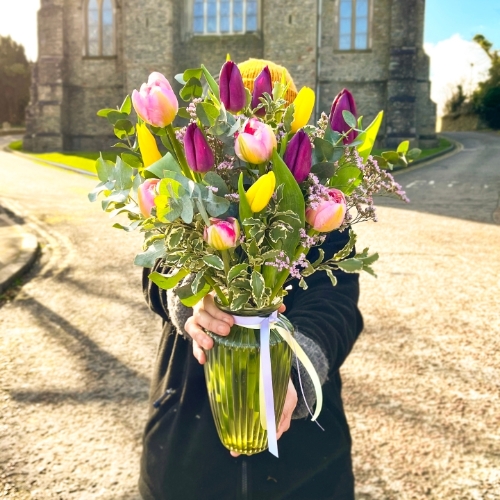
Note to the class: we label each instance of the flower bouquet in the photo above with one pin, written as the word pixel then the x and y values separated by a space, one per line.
pixel 232 206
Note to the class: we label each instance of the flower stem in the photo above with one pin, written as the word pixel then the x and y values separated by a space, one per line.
pixel 217 290
pixel 180 154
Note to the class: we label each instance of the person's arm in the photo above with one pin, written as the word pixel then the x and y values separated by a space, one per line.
pixel 326 319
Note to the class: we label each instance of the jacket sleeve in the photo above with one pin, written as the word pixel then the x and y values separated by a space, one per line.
pixel 326 314
pixel 156 298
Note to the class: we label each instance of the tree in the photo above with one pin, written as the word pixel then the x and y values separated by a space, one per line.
pixel 487 97
pixel 15 78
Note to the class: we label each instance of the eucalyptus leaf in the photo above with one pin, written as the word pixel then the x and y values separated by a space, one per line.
pixel 192 89
pixel 187 209
pixel 214 87
pixel 323 150
pixel 104 168
pixel 207 113
pixel 148 258
pixel 131 160
pixel 349 118
pixel 346 179
pixel 323 170
pixel 215 180
pixel 158 168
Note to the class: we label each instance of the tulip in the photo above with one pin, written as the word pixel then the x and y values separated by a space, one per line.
pixel 156 103
pixel 260 192
pixel 199 155
pixel 303 107
pixel 263 84
pixel 147 145
pixel 146 195
pixel 343 102
pixel 222 234
pixel 256 143
pixel 329 214
pixel 298 156
pixel 231 88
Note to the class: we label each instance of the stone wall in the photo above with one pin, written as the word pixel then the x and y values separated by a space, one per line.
pixel 70 87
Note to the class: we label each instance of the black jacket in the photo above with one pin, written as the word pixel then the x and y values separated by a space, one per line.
pixel 183 458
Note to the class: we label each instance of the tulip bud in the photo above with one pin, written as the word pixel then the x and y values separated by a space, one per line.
pixel 256 143
pixel 303 107
pixel 199 155
pixel 343 102
pixel 156 103
pixel 260 192
pixel 231 88
pixel 298 156
pixel 146 195
pixel 222 234
pixel 147 144
pixel 263 84
pixel 328 215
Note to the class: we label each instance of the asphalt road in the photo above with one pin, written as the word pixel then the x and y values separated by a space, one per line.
pixel 77 343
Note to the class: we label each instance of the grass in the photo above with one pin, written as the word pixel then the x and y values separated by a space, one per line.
pixel 85 160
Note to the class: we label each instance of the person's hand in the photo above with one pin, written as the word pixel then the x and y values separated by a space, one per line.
pixel 286 417
pixel 206 315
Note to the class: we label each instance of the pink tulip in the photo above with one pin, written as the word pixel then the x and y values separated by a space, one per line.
pixel 222 234
pixel 328 215
pixel 156 103
pixel 146 195
pixel 256 143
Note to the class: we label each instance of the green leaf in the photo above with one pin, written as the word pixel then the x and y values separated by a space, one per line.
pixel 192 73
pixel 332 136
pixel 123 175
pixel 148 258
pixel 350 265
pixel 116 116
pixel 184 113
pixel 187 209
pixel 403 147
pixel 413 154
pixel 288 117
pixel 188 298
pixel 158 168
pixel 207 113
pixel 105 112
pixel 126 106
pixel 368 137
pixel 132 160
pixel 216 205
pixel 166 281
pixel 323 150
pixel 214 261
pixel 199 282
pixel 104 168
pixel 102 186
pixel 211 82
pixel 323 170
pixel 349 118
pixel 124 128
pixel 236 271
pixel 346 179
pixel 215 180
pixel 332 277
pixel 240 299
pixel 192 89
pixel 391 156
pixel 258 286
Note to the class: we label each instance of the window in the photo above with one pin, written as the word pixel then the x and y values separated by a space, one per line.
pixel 353 25
pixel 225 17
pixel 100 28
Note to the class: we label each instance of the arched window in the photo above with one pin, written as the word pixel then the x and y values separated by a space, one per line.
pixel 100 28
pixel 353 24
pixel 225 17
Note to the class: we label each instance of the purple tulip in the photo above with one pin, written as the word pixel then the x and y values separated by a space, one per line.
pixel 263 84
pixel 231 88
pixel 298 156
pixel 199 155
pixel 343 102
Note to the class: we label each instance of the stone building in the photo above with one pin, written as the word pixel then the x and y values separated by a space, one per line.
pixel 93 52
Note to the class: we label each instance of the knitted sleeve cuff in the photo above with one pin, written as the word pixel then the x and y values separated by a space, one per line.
pixel 320 363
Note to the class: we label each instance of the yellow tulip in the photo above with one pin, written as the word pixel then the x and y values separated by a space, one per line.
pixel 304 105
pixel 260 192
pixel 147 145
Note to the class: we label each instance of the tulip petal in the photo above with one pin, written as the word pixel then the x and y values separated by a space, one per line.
pixel 304 105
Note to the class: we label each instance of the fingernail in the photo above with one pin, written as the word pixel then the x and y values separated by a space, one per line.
pixel 222 329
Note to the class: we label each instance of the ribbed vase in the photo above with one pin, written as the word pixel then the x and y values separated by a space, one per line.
pixel 232 375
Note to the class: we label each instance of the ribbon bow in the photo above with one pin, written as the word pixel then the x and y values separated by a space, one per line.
pixel 267 416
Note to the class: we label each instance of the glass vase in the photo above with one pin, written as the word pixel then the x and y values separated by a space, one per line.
pixel 232 376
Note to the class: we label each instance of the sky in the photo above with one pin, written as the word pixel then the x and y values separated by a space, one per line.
pixel 450 26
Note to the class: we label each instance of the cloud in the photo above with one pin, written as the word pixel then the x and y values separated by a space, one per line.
pixel 18 20
pixel 455 61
